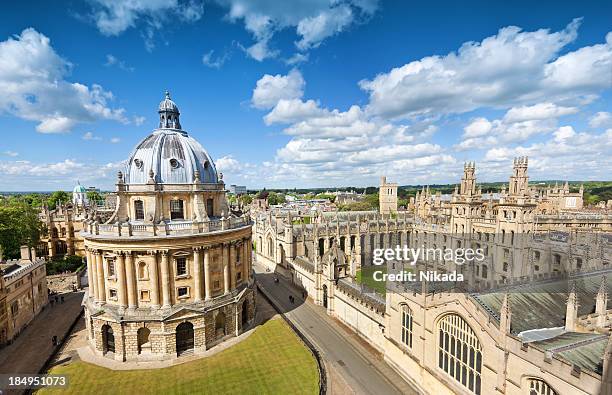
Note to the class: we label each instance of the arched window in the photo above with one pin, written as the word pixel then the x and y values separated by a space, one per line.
pixel 459 352
pixel 143 271
pixel 138 210
pixel 539 387
pixel 407 325
pixel 176 209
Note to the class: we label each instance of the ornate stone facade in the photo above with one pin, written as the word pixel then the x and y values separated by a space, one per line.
pixel 531 318
pixel 170 271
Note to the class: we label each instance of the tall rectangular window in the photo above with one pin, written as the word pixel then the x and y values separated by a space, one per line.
pixel 138 210
pixel 181 266
pixel 176 209
pixel 209 207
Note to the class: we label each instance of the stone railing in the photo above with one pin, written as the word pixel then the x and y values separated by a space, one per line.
pixel 129 229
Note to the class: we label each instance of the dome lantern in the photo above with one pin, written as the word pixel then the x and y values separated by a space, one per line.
pixel 169 114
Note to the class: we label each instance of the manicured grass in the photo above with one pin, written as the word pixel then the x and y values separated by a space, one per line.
pixel 271 361
pixel 365 276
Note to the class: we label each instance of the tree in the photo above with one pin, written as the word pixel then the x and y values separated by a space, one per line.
pixel 275 198
pixel 19 225
pixel 94 196
pixel 246 199
pixel 57 197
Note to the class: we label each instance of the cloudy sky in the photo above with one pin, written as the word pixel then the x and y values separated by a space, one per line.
pixel 308 93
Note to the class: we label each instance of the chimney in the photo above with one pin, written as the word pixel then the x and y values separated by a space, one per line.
pixel 601 303
pixel 26 254
pixel 571 315
pixel 505 316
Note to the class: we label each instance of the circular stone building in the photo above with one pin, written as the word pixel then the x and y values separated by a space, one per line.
pixel 170 272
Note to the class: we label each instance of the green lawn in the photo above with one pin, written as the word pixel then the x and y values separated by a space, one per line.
pixel 365 276
pixel 271 361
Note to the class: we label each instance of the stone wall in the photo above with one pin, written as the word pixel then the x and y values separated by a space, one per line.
pixel 65 282
pixel 361 318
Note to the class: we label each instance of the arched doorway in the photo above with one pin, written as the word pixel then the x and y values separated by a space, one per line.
pixel 143 340
pixel 108 339
pixel 245 313
pixel 184 337
pixel 325 296
pixel 220 325
pixel 282 255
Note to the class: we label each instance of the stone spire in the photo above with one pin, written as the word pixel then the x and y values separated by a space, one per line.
pixel 601 303
pixel 571 313
pixel 505 315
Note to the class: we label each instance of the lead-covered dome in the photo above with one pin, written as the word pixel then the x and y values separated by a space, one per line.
pixel 170 154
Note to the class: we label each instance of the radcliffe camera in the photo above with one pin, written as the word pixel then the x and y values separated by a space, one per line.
pixel 333 197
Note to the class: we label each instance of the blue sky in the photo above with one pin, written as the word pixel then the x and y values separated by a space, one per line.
pixel 308 93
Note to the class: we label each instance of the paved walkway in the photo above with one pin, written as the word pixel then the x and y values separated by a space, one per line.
pixel 31 349
pixel 347 359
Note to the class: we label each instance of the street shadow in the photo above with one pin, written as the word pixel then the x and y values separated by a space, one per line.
pixel 280 291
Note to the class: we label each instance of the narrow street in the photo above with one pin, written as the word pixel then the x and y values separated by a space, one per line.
pixel 362 370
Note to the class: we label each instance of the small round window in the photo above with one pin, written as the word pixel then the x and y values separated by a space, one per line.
pixel 138 163
pixel 206 165
pixel 174 163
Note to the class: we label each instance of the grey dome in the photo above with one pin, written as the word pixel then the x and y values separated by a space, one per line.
pixel 170 154
pixel 173 156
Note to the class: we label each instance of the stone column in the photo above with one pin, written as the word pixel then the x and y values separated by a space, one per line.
pixel 101 291
pixel 245 259
pixel 154 281
pixel 249 259
pixel 165 275
pixel 232 265
pixel 197 274
pixel 90 275
pixel 131 280
pixel 122 291
pixel 207 273
pixel 226 268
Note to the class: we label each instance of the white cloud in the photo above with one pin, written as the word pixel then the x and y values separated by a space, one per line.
pixel 568 154
pixel 227 163
pixel 537 111
pixel 517 125
pixel 10 153
pixel 601 119
pixel 209 60
pixel 478 127
pixel 511 68
pixel 327 23
pixel 287 111
pixel 23 174
pixel 313 20
pixel 32 79
pixel 564 133
pixel 112 60
pixel 138 120
pixel 115 140
pixel 114 17
pixel 297 58
pixel 272 88
pixel 89 136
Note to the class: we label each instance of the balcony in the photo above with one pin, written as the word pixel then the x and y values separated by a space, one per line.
pixel 96 230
